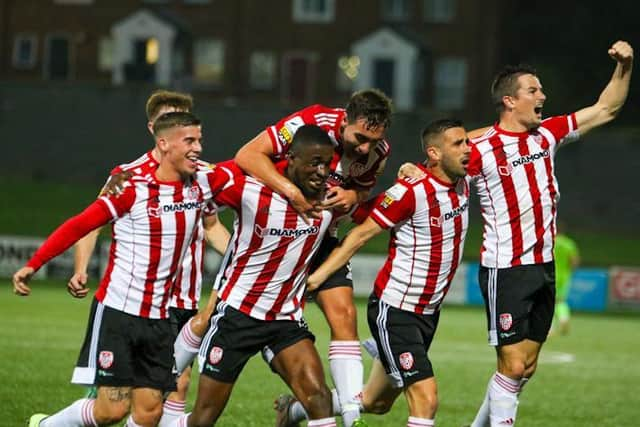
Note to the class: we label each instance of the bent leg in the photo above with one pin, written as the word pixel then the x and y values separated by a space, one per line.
pixel 379 394
pixel 146 406
pixel 300 367
pixel 212 398
pixel 422 398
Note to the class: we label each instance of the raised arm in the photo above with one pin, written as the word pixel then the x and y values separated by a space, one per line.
pixel 255 159
pixel 614 94
pixel 356 238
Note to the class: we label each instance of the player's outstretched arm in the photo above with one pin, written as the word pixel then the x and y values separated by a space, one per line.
pixel 255 159
pixel 21 281
pixel 614 94
pixel 356 238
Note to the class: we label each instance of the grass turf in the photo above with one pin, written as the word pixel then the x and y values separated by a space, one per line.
pixel 586 378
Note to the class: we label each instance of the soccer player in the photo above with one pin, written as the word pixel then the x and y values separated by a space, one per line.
pixel 428 219
pixel 127 350
pixel 261 296
pixel 567 259
pixel 357 133
pixel 187 287
pixel 512 166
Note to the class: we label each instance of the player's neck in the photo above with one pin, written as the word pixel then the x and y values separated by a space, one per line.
pixel 509 123
pixel 156 155
pixel 168 174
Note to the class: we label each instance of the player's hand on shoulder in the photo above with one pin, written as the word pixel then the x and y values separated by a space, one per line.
pixel 77 285
pixel 115 184
pixel 20 281
pixel 621 51
pixel 301 205
pixel 340 199
pixel 409 170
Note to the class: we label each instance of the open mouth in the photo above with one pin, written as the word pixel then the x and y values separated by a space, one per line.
pixel 317 182
pixel 538 110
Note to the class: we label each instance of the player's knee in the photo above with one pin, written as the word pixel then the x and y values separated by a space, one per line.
pixel 147 416
pixel 424 401
pixel 342 319
pixel 530 370
pixel 514 368
pixel 111 414
pixel 378 407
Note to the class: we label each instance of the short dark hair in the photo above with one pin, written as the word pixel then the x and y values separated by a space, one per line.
pixel 308 135
pixel 435 128
pixel 174 119
pixel 165 98
pixel 505 83
pixel 372 105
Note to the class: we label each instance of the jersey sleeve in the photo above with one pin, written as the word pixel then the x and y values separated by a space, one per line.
pixel 218 180
pixel 474 167
pixel 281 133
pixel 94 216
pixel 394 205
pixel 564 129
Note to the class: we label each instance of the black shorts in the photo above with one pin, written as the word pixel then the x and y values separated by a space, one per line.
pixel 342 277
pixel 122 350
pixel 519 302
pixel 403 339
pixel 178 318
pixel 233 338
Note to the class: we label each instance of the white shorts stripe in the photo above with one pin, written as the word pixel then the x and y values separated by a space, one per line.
pixel 213 328
pixel 86 375
pixel 491 296
pixel 381 321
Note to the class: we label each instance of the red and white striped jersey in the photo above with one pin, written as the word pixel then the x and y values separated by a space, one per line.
pixel 518 191
pixel 153 227
pixel 362 171
pixel 428 219
pixel 272 248
pixel 188 284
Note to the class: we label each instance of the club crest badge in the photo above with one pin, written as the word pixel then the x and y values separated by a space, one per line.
pixel 105 359
pixel 505 321
pixel 406 361
pixel 215 355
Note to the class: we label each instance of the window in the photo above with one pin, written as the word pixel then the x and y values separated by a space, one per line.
pixel 57 57
pixel 450 83
pixel 395 10
pixel 319 11
pixel 439 11
pixel 24 51
pixel 208 61
pixel 348 69
pixel 105 54
pixel 262 72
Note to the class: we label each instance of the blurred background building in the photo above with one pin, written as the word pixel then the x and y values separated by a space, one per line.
pixel 75 74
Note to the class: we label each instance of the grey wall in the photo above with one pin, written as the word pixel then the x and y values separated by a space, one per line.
pixel 75 133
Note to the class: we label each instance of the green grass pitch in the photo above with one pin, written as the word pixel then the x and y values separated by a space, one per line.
pixel 589 377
